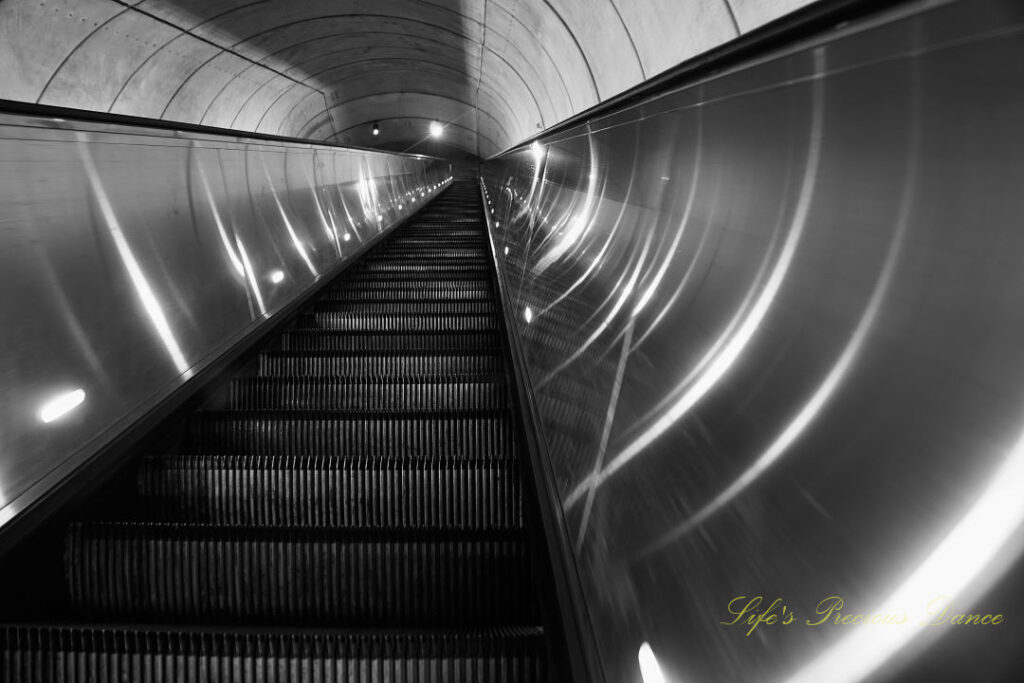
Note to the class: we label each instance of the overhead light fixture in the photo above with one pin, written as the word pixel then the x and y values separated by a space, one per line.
pixel 277 276
pixel 376 129
pixel 436 129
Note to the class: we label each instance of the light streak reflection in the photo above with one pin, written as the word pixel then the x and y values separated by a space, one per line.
pixel 142 287
pixel 732 350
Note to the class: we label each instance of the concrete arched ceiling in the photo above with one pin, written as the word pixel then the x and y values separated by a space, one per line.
pixel 494 71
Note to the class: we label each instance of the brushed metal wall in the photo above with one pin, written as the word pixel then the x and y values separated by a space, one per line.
pixel 131 257
pixel 774 325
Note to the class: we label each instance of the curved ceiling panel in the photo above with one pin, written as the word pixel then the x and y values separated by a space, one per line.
pixel 494 71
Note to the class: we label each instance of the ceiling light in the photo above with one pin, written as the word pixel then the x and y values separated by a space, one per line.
pixel 436 129
pixel 277 276
pixel 376 129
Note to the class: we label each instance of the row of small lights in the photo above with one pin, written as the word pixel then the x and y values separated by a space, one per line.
pixel 63 403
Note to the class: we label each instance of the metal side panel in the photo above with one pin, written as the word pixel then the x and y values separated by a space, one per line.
pixel 132 257
pixel 772 320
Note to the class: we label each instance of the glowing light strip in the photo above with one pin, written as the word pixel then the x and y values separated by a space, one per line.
pixel 138 278
pixel 650 670
pixel 60 405
pixel 732 350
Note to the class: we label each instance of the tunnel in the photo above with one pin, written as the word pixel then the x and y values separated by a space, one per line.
pixel 653 341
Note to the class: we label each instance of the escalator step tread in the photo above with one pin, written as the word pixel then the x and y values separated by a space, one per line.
pixel 301 576
pixel 380 341
pixel 390 393
pixel 397 491
pixel 397 363
pixel 421 433
pixel 151 654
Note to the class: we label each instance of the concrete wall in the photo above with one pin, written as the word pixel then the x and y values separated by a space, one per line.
pixel 495 71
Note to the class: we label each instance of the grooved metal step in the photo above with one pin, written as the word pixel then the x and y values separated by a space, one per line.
pixel 453 393
pixel 390 364
pixel 396 306
pixel 395 322
pixel 467 434
pixel 383 342
pixel 377 492
pixel 300 576
pixel 149 654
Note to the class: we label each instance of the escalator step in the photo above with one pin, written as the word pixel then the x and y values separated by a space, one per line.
pixel 360 276
pixel 399 492
pixel 382 342
pixel 370 266
pixel 397 322
pixel 362 364
pixel 120 654
pixel 404 250
pixel 431 290
pixel 298 576
pixel 465 433
pixel 407 393
pixel 401 306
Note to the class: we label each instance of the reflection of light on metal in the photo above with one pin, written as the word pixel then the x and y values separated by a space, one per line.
pixel 379 218
pixel 299 247
pixel 537 150
pixel 220 225
pixel 690 200
pixel 401 206
pixel 650 670
pixel 829 385
pixel 581 224
pixel 138 278
pixel 609 238
pixel 277 276
pixel 665 177
pixel 506 251
pixel 978 541
pixel 251 276
pixel 347 236
pixel 329 228
pixel 624 295
pixel 367 190
pixel 528 315
pixel 60 405
pixel 724 358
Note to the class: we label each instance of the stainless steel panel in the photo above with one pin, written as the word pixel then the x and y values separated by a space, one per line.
pixel 130 258
pixel 774 323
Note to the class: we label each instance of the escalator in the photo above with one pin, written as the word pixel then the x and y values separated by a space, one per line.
pixel 349 507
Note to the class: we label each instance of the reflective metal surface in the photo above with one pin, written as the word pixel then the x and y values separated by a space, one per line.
pixel 129 258
pixel 774 323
